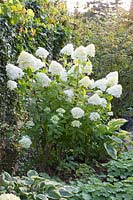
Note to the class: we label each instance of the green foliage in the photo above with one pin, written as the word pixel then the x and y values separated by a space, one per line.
pixel 28 25
pixel 41 186
pixel 122 168
pixel 95 189
pixel 40 99
pixel 35 186
pixel 84 172
pixel 112 36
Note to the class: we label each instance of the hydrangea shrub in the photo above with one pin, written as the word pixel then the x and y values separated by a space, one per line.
pixel 62 109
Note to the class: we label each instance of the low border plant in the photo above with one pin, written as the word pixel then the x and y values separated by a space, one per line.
pixel 36 186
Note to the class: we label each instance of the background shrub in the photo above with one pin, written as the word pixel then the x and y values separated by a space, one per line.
pixel 112 35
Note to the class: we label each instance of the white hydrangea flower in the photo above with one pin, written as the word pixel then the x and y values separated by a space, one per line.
pixel 47 109
pixel 39 64
pixel 56 68
pixel 76 123
pixel 75 70
pixel 42 52
pixel 25 142
pixel 101 84
pixel 14 72
pixel 69 93
pixel 112 78
pixel 86 82
pixel 91 84
pixel 11 85
pixel 80 54
pixel 88 68
pixel 26 59
pixel 9 197
pixel 94 100
pixel 115 90
pixel 60 111
pixel 43 79
pixel 90 49
pixel 29 124
pixel 103 102
pixel 63 76
pixel 110 113
pixel 68 50
pixel 77 112
pixel 54 119
pixel 94 116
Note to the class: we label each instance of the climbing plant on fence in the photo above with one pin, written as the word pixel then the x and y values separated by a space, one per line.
pixel 26 25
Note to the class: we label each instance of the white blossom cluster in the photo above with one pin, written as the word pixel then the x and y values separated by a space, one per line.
pixel 69 93
pixel 56 68
pixel 11 84
pixel 14 72
pixel 76 123
pixel 94 116
pixel 60 111
pixel 29 124
pixel 115 90
pixel 87 82
pixel 55 119
pixel 80 53
pixel 9 197
pixel 26 59
pixel 43 79
pixel 68 50
pixel 88 68
pixel 42 53
pixel 96 100
pixel 77 72
pixel 25 142
pixel 77 112
pixel 47 109
pixel 110 84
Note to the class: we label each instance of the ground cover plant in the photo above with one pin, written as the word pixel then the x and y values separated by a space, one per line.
pixel 41 186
